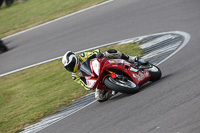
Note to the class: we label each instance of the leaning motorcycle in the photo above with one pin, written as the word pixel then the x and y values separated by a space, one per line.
pixel 118 75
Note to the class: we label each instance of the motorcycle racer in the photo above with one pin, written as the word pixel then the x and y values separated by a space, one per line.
pixel 72 63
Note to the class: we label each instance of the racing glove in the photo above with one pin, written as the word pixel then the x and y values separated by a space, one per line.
pixel 80 80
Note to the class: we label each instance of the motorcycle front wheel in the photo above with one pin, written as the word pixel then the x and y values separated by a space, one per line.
pixel 120 85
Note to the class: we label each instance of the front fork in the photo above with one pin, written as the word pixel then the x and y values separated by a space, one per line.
pixel 114 75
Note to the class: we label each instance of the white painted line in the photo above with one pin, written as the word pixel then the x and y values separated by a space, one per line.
pixel 187 39
pixel 58 119
pixel 29 66
pixel 17 70
pixel 146 45
pixel 83 10
pixel 161 51
pixel 186 35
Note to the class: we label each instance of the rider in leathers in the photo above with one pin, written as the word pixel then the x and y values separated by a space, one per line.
pixel 72 63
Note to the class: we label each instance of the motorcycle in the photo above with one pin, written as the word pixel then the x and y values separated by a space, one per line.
pixel 118 75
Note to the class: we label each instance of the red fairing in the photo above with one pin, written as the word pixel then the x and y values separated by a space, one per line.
pixel 102 68
pixel 91 82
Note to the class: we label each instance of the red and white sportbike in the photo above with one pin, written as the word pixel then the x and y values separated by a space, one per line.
pixel 118 74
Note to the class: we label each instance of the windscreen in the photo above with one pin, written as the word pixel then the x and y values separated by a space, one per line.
pixel 85 68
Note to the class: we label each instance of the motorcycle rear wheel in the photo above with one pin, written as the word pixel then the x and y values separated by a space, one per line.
pixel 118 85
pixel 155 73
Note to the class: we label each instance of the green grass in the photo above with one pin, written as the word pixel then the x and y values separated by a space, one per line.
pixel 31 94
pixel 23 15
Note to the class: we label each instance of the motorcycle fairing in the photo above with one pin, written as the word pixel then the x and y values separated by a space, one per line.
pixel 138 76
pixel 98 66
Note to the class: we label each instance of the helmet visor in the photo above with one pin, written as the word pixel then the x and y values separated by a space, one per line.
pixel 71 65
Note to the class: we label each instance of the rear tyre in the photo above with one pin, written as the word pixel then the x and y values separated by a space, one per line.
pixel 155 73
pixel 118 85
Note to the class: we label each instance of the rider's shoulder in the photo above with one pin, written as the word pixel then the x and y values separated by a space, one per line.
pixel 96 51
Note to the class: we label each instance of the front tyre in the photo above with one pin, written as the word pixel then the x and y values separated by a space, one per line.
pixel 155 73
pixel 122 86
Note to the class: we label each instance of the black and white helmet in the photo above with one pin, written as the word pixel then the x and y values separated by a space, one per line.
pixel 70 61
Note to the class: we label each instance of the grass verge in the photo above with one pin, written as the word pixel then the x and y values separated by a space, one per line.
pixel 23 15
pixel 31 94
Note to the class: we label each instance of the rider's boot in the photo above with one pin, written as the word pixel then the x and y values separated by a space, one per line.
pixel 133 59
pixel 103 95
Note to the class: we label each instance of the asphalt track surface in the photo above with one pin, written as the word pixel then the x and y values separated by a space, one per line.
pixel 171 105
